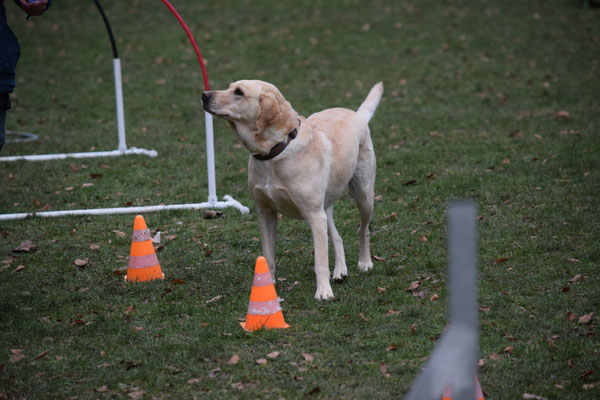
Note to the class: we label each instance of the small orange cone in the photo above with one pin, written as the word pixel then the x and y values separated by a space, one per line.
pixel 478 392
pixel 264 310
pixel 143 263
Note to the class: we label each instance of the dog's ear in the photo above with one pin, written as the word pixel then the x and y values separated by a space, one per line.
pixel 268 111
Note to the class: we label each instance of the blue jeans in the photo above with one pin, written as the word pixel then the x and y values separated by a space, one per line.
pixel 4 106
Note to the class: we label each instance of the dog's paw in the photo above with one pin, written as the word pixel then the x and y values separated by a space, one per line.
pixel 324 293
pixel 340 279
pixel 365 266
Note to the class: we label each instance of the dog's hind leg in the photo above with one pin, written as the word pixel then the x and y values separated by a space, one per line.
pixel 267 221
pixel 362 190
pixel 340 271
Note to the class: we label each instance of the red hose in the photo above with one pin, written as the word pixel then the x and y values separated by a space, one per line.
pixel 189 35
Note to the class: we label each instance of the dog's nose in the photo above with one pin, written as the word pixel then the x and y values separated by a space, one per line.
pixel 206 101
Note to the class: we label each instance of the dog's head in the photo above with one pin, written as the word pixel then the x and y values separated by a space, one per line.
pixel 256 110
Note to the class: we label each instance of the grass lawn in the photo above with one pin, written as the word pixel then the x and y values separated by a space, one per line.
pixel 487 100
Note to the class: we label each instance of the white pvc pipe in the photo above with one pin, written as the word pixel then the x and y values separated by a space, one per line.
pixel 87 154
pixel 229 202
pixel 210 158
pixel 119 97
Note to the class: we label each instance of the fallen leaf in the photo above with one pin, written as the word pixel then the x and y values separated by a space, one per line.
pixel 532 396
pixel 261 361
pixel 17 355
pixel 573 260
pixel 214 299
pixel 376 258
pixel 485 309
pixel 308 357
pixel 570 363
pixel 194 380
pixel 586 373
pixel 571 316
pixel 102 389
pixel 434 297
pixel 391 347
pixel 509 349
pixel 314 390
pixel 26 246
pixel 380 289
pixel 413 286
pixel 391 311
pixel 42 354
pixel 273 355
pixel 170 237
pixel 94 246
pixel 177 281
pixel 589 386
pixel 119 233
pixel 501 260
pixel 562 114
pixel 81 262
pixel 481 363
pixel 586 319
pixel 494 356
pixel 413 329
pixel 19 268
pixel 384 370
pixel 234 359
pixel 576 278
pixel 423 239
pixel 362 316
pixel 136 394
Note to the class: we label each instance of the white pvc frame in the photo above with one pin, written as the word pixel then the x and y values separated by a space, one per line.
pixel 123 150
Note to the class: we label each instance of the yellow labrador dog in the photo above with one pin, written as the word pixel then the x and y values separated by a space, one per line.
pixel 300 166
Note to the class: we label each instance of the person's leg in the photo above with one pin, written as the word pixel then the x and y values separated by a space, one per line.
pixel 4 106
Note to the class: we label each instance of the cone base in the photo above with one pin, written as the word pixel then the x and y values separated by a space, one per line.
pixel 255 322
pixel 144 274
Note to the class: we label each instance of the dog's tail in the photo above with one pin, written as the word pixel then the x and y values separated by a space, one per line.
pixel 368 107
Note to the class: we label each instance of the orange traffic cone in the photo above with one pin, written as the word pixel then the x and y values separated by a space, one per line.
pixel 264 310
pixel 143 263
pixel 478 392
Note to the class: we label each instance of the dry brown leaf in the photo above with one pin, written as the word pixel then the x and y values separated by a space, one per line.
pixel 588 386
pixel 376 258
pixel 136 394
pixel 562 114
pixel 362 316
pixel 532 396
pixel 571 316
pixel 576 278
pixel 384 370
pixel 16 355
pixel 26 246
pixel 413 286
pixel 19 268
pixel 481 363
pixel 194 380
pixel 391 347
pixel 214 372
pixel 308 357
pixel 380 289
pixel 42 354
pixel 434 297
pixel 102 389
pixel 494 356
pixel 413 329
pixel 261 361
pixel 119 233
pixel 234 359
pixel 81 262
pixel 509 349
pixel 586 319
pixel 501 260
pixel 94 246
pixel 391 311
pixel 273 355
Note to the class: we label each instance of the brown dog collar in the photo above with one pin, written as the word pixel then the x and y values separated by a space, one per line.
pixel 278 148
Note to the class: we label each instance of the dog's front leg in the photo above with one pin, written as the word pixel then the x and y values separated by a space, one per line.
pixel 267 221
pixel 318 225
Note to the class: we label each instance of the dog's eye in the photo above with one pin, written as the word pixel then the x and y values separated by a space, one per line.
pixel 238 92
